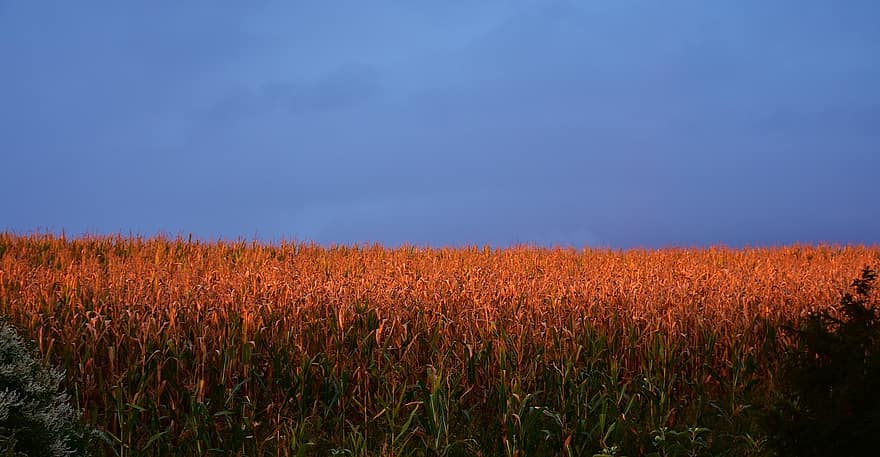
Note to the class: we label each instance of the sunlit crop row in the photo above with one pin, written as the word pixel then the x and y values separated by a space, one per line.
pixel 166 324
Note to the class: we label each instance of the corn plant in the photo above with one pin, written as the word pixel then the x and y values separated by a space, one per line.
pixel 236 347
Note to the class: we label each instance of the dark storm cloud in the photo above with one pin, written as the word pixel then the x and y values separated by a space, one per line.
pixel 621 122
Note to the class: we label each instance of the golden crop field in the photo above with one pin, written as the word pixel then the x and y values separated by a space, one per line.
pixel 269 338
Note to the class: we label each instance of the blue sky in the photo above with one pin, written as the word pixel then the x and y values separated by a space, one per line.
pixel 605 123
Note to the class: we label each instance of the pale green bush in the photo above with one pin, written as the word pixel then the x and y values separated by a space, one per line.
pixel 36 418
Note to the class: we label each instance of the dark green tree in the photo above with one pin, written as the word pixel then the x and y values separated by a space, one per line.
pixel 830 386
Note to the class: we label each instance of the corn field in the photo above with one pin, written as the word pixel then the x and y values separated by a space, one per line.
pixel 242 348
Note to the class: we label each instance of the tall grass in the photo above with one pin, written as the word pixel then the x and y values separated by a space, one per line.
pixel 180 346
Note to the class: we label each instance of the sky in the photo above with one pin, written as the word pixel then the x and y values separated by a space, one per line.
pixel 608 123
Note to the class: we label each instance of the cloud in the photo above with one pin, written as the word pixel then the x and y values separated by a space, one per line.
pixel 438 218
pixel 346 86
pixel 618 122
pixel 838 119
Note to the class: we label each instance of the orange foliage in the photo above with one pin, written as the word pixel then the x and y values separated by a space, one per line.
pixel 127 303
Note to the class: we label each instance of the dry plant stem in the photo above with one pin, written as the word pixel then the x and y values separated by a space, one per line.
pixel 155 329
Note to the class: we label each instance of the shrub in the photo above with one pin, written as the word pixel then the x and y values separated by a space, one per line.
pixel 830 400
pixel 35 417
